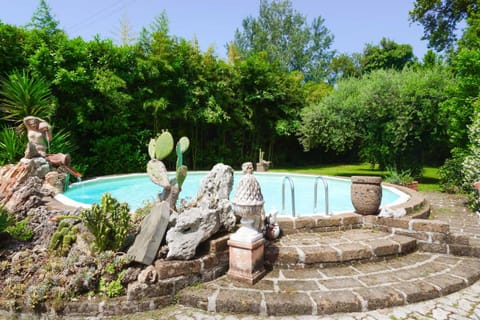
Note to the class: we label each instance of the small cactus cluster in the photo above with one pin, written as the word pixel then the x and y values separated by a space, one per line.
pixel 63 239
pixel 261 154
pixel 158 149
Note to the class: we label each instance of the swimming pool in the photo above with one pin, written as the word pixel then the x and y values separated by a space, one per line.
pixel 137 189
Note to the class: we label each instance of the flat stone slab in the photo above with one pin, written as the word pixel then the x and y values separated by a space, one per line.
pixel 371 285
pixel 309 250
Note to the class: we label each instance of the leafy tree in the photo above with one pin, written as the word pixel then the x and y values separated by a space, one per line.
pixel 13 55
pixel 392 117
pixel 346 66
pixel 43 19
pixel 459 108
pixel 440 19
pixel 286 36
pixel 387 55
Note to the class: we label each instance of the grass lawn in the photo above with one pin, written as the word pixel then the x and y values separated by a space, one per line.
pixel 428 182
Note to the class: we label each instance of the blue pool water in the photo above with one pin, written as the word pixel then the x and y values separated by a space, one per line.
pixel 136 189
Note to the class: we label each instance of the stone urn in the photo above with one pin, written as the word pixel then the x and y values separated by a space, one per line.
pixel 366 194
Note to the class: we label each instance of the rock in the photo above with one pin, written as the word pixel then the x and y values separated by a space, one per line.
pixel 130 275
pixel 55 181
pixel 210 212
pixel 21 185
pixel 392 213
pixel 214 193
pixel 152 231
pixel 148 275
pixel 193 226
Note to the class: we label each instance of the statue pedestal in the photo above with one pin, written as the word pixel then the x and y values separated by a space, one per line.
pixel 246 261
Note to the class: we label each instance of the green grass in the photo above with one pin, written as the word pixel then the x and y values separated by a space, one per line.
pixel 428 182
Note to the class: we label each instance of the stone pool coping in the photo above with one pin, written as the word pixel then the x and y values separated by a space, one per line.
pixel 416 207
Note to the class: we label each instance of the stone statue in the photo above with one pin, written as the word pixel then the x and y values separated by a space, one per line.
pixel 38 132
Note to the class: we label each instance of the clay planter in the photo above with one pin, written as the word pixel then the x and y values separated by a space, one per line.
pixel 366 194
pixel 412 185
pixel 262 167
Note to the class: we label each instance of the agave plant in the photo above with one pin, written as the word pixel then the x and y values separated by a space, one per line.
pixel 22 95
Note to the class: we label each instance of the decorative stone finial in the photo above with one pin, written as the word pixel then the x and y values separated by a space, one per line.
pixel 248 204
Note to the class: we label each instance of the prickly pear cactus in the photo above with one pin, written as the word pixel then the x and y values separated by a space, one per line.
pixel 163 145
pixel 159 149
pixel 158 173
pixel 181 170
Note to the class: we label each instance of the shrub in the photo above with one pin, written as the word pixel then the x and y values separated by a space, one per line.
pixel 451 174
pixel 18 230
pixel 471 164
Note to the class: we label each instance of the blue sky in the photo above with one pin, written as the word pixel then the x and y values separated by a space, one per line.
pixel 353 23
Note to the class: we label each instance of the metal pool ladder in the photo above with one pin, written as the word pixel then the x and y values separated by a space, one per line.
pixel 325 186
pixel 292 190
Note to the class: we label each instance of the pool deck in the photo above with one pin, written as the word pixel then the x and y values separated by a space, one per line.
pixel 418 285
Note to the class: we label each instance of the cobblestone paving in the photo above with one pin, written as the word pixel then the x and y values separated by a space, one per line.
pixel 462 304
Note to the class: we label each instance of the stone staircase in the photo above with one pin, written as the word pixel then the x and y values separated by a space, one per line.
pixel 319 273
pixel 310 250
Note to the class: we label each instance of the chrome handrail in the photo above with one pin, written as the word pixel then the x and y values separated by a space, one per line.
pixel 292 189
pixel 325 185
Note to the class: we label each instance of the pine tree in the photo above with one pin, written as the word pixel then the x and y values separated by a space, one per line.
pixel 43 19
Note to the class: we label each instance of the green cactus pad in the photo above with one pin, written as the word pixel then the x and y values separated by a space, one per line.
pixel 181 175
pixel 184 143
pixel 179 155
pixel 158 173
pixel 151 148
pixel 163 145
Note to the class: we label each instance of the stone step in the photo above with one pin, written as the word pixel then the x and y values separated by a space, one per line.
pixel 326 249
pixel 349 288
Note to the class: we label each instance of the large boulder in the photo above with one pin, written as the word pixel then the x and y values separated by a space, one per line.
pixel 214 193
pixel 210 212
pixel 21 185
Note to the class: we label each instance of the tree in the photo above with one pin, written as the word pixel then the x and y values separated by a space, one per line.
pixel 126 36
pixel 387 55
pixel 286 36
pixel 345 66
pixel 440 19
pixel 392 117
pixel 460 107
pixel 42 19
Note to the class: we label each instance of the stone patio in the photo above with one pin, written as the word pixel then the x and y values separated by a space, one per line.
pixel 354 271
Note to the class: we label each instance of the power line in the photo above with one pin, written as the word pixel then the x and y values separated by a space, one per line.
pixel 101 14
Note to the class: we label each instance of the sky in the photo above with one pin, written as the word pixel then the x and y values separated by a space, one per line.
pixel 353 23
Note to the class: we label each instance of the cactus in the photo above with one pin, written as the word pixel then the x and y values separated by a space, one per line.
pixel 160 148
pixel 63 239
pixel 261 154
pixel 158 173
pixel 109 222
pixel 163 145
pixel 181 170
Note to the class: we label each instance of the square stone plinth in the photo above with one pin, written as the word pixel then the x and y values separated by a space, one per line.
pixel 246 261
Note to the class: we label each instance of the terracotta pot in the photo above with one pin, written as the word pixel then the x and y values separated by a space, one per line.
pixel 366 194
pixel 412 185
